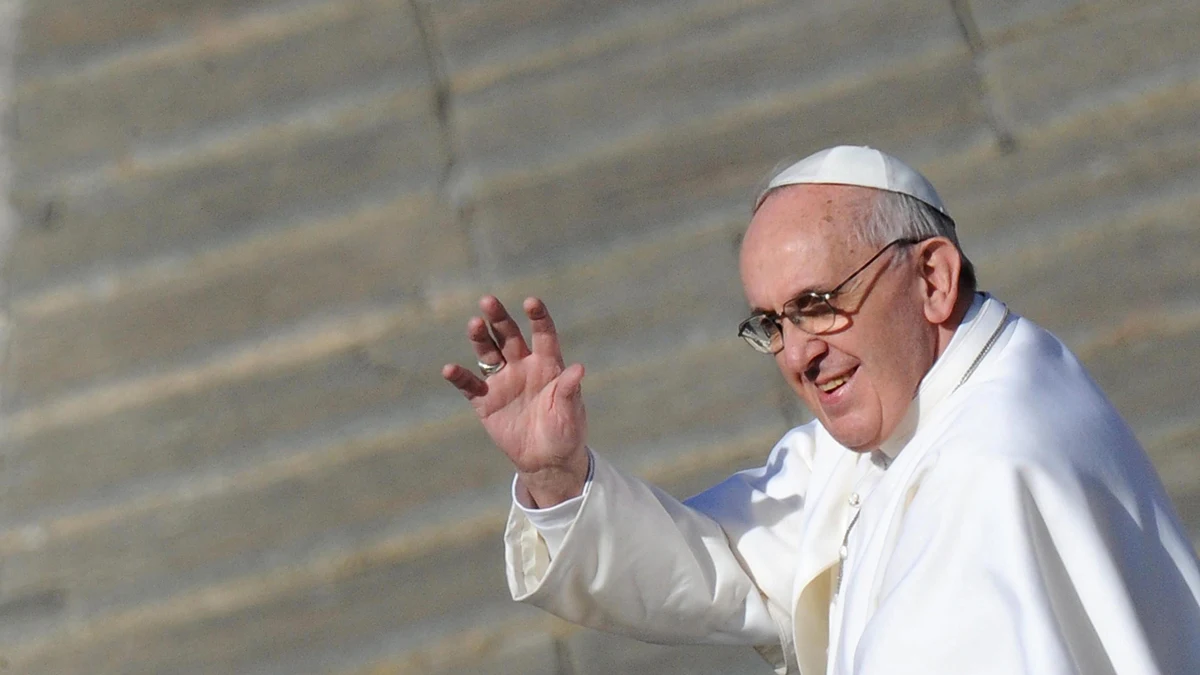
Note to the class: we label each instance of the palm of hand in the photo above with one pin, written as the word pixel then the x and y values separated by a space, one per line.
pixel 527 415
pixel 532 407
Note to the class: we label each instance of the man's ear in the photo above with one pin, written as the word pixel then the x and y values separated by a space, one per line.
pixel 939 265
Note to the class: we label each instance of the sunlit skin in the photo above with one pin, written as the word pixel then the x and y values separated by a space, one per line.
pixel 903 308
pixel 533 407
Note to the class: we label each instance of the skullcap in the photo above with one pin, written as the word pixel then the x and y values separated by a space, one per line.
pixel 857 165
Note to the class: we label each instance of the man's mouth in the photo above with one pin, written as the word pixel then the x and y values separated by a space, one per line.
pixel 833 384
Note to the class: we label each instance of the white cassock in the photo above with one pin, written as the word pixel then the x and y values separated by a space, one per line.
pixel 1012 524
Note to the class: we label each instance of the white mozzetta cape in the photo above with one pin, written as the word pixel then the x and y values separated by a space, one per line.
pixel 1019 529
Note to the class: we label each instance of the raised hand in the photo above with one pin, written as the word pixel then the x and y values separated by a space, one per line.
pixel 532 406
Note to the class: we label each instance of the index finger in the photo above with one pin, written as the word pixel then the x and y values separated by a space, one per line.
pixel 543 334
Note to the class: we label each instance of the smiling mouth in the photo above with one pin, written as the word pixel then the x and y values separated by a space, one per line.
pixel 831 385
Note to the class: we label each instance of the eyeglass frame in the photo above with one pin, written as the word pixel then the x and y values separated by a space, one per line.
pixel 825 297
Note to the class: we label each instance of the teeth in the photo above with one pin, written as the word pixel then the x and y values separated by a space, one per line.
pixel 832 384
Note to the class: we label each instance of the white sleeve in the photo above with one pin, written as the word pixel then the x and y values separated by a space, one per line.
pixel 638 562
pixel 553 522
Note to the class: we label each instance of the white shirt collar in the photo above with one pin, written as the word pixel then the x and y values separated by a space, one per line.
pixel 973 336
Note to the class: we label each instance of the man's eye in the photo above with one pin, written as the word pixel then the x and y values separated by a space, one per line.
pixel 770 324
pixel 812 307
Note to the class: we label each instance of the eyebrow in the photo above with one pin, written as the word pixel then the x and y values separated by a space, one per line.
pixel 809 290
pixel 773 312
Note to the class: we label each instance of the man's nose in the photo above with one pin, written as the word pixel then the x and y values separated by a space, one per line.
pixel 800 349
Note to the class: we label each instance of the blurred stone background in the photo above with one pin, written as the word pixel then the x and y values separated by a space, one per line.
pixel 248 233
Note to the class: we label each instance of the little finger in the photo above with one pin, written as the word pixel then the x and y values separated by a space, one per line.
pixel 464 380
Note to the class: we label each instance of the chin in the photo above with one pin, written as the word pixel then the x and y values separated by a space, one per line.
pixel 852 437
pixel 853 446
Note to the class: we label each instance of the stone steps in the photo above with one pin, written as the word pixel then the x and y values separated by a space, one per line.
pixel 1149 367
pixel 368 599
pixel 531 655
pixel 1112 160
pixel 1174 455
pixel 390 361
pixel 1078 285
pixel 483 44
pixel 205 224
pixel 180 206
pixel 1049 193
pixel 644 309
pixel 526 222
pixel 1104 60
pixel 365 483
pixel 571 293
pixel 382 254
pixel 190 426
pixel 391 253
pixel 998 24
pixel 64 207
pixel 310 605
pixel 463 108
pixel 253 66
pixel 60 34
pixel 644 89
pixel 1129 170
pixel 634 416
pixel 254 230
pixel 58 665
pixel 1135 371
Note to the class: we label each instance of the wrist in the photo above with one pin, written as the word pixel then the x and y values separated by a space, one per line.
pixel 553 485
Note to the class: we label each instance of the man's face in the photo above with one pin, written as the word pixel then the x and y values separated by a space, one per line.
pixel 858 381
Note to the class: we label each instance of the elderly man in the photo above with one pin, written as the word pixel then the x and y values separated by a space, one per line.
pixel 966 500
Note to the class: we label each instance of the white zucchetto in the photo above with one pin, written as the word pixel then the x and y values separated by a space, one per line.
pixel 857 165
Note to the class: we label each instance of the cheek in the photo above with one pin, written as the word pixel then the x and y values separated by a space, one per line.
pixel 890 348
pixel 901 362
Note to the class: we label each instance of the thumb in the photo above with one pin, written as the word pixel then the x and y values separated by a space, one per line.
pixel 570 384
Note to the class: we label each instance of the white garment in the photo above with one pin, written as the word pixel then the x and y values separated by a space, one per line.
pixel 1019 529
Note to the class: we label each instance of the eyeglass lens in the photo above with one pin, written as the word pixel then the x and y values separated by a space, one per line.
pixel 817 317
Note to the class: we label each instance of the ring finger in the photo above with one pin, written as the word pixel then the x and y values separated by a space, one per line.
pixel 505 331
pixel 485 347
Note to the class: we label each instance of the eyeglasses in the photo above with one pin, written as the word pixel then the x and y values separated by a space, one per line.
pixel 811 312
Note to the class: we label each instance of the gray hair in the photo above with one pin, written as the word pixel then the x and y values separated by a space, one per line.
pixel 899 216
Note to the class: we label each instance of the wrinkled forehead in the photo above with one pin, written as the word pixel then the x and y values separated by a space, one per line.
pixel 823 218
pixel 802 237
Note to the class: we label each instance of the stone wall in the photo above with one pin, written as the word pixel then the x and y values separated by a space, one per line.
pixel 250 232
